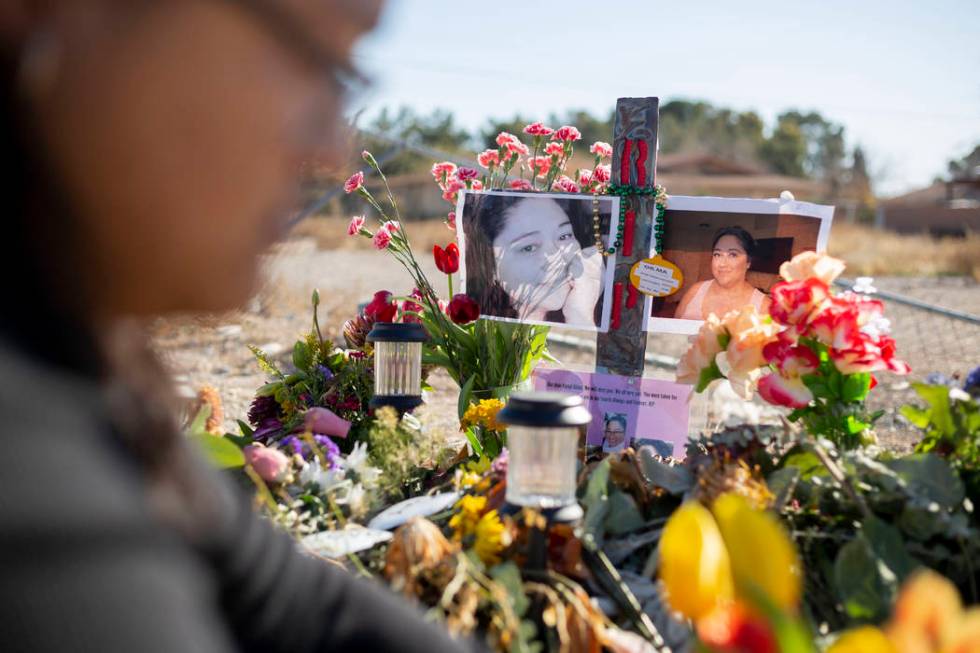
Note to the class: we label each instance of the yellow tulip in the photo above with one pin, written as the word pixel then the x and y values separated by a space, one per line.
pixel 694 565
pixel 866 639
pixel 762 554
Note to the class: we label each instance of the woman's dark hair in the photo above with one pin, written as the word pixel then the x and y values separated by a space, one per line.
pixel 50 316
pixel 616 418
pixel 484 217
pixel 744 238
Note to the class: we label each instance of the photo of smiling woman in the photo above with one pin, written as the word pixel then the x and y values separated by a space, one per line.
pixel 732 250
pixel 532 257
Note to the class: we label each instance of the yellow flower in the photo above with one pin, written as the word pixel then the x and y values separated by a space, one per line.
pixel 489 538
pixel 483 413
pixel 694 564
pixel 748 533
pixel 866 639
pixel 464 522
pixel 707 561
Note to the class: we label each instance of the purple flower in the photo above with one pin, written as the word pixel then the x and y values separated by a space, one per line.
pixel 972 384
pixel 325 371
pixel 267 430
pixel 329 448
pixel 292 444
pixel 263 408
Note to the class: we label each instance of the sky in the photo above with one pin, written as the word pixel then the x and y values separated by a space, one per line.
pixel 902 77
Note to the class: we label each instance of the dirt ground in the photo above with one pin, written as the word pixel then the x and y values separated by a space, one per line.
pixel 213 351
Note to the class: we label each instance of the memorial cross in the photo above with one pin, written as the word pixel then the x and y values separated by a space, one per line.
pixel 622 350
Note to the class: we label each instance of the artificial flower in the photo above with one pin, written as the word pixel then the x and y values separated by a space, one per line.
pixel 271 465
pixel 463 309
pixel 538 129
pixel 749 332
pixel 447 260
pixel 789 359
pixel 811 265
pixel 355 226
pixel 705 346
pixel 381 308
pixel 355 182
pixel 780 390
pixel 601 149
pixel 325 422
pixel 488 159
pixel 567 133
pixel 793 302
pixel 734 628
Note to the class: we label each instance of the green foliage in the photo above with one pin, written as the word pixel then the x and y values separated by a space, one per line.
pixel 219 450
pixel 408 454
pixel 951 426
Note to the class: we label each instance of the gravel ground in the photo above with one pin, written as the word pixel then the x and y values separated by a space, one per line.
pixel 213 351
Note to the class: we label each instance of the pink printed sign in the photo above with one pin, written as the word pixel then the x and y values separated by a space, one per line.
pixel 626 411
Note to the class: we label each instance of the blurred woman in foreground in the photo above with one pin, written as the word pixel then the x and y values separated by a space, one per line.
pixel 152 151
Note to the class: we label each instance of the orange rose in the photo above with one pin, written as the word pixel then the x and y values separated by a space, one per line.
pixel 743 360
pixel 811 265
pixel 701 354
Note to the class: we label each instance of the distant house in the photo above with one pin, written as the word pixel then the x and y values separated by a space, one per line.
pixel 707 174
pixel 946 208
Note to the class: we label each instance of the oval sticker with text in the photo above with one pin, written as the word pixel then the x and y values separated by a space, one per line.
pixel 656 276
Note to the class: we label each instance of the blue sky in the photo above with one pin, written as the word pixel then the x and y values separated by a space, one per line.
pixel 902 77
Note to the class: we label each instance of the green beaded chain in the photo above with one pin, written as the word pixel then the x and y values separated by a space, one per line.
pixel 624 191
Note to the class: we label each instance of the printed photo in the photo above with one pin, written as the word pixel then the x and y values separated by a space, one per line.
pixel 729 251
pixel 614 432
pixel 532 257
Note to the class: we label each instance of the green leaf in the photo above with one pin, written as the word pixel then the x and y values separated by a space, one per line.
pixel 853 425
pixel 708 374
pixel 220 451
pixel 596 500
pixel 676 479
pixel 623 516
pixel 508 576
pixel 474 441
pixel 301 355
pixel 859 583
pixel 465 393
pixel 817 385
pixel 930 476
pixel 200 420
pixel 937 396
pixel 856 387
pixel 269 389
pixel 806 462
pixel 782 483
pixel 246 430
pixel 886 542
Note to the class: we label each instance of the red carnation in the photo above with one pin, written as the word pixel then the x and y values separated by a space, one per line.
pixel 463 309
pixel 381 308
pixel 447 260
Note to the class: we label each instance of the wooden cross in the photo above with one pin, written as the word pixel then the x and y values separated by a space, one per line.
pixel 622 350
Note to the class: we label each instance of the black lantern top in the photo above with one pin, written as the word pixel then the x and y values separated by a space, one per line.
pixel 544 409
pixel 397 332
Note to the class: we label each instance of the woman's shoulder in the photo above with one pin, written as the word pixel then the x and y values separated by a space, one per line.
pixel 60 466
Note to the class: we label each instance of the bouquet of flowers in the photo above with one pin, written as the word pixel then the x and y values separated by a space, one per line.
pixel 814 352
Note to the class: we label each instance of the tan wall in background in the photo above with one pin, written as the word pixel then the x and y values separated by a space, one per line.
pixel 688 245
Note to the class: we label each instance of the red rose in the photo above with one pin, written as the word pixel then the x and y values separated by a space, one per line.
pixel 463 310
pixel 381 308
pixel 447 260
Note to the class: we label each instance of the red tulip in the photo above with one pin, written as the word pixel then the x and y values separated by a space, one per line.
pixel 463 309
pixel 381 308
pixel 447 260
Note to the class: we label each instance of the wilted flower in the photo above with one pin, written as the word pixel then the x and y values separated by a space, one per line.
pixel 417 546
pixel 356 330
pixel 451 220
pixel 355 182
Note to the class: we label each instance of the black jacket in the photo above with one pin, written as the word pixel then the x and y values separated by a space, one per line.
pixel 85 567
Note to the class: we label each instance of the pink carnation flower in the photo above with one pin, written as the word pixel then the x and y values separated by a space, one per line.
pixel 355 226
pixel 521 184
pixel 565 185
pixel 554 149
pixel 451 191
pixel 537 129
pixel 391 226
pixel 539 165
pixel 467 173
pixel 382 239
pixel 476 184
pixel 443 170
pixel 355 182
pixel 584 177
pixel 488 158
pixel 503 138
pixel 602 173
pixel 601 149
pixel 567 133
pixel 271 465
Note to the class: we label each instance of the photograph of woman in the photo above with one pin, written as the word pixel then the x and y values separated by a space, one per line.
pixel 533 258
pixel 614 432
pixel 731 256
